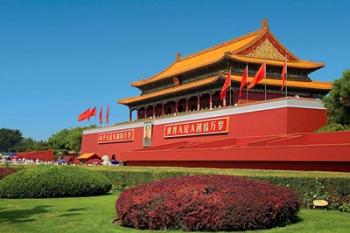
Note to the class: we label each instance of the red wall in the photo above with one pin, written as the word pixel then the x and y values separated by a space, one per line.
pixel 46 155
pixel 278 121
pixel 309 151
pixel 89 144
pixel 305 120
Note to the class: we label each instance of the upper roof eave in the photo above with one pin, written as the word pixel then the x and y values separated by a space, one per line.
pixel 237 49
pixel 159 76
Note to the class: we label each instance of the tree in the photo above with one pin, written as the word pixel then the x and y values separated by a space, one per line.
pixel 9 139
pixel 337 101
pixel 67 139
pixel 28 144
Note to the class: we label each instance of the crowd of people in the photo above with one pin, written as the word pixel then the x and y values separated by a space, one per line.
pixel 25 161
pixel 61 161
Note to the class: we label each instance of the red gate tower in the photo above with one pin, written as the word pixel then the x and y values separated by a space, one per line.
pixel 180 119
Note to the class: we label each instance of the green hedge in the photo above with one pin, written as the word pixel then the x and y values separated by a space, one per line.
pixel 333 127
pixel 53 181
pixel 331 186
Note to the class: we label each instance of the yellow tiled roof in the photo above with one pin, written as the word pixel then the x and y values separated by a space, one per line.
pixel 203 58
pixel 86 156
pixel 230 49
pixel 269 81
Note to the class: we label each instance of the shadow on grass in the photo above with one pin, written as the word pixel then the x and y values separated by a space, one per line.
pixel 24 215
pixel 69 215
pixel 75 209
pixel 296 221
pixel 72 212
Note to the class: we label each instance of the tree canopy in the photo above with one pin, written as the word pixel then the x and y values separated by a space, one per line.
pixel 67 139
pixel 337 101
pixel 28 144
pixel 9 139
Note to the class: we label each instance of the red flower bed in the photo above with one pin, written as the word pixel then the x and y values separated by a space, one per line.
pixel 5 172
pixel 207 203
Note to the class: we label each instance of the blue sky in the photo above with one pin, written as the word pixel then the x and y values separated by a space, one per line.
pixel 58 58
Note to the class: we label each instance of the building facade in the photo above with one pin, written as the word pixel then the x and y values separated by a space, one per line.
pixel 179 119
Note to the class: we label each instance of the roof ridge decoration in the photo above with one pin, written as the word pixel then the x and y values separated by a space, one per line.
pixel 266 50
pixel 267 36
pixel 295 64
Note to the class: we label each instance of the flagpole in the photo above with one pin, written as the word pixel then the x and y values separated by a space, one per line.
pixel 265 81
pixel 286 77
pixel 247 80
pixel 230 87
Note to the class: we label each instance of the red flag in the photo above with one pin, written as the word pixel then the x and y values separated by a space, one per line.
pixel 226 85
pixel 92 113
pixel 107 114
pixel 100 116
pixel 84 115
pixel 243 80
pixel 260 75
pixel 284 73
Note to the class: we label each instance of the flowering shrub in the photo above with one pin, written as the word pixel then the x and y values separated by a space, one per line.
pixel 53 181
pixel 207 203
pixel 6 171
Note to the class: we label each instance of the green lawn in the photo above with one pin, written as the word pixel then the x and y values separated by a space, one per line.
pixel 95 214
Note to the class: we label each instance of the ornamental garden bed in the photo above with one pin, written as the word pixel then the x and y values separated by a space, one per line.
pixel 207 203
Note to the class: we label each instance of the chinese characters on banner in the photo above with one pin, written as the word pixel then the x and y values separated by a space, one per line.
pixel 203 127
pixel 116 136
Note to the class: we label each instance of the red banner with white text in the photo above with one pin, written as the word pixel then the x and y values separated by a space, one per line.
pixel 116 136
pixel 196 128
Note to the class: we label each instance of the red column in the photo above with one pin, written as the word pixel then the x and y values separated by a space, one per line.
pixel 176 107
pixel 162 109
pixel 187 104
pixel 210 100
pixel 198 103
pixel 154 111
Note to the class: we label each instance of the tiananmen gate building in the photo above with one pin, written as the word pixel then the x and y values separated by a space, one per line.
pixel 180 120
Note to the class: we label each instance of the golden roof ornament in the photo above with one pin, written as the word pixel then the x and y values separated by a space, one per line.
pixel 264 24
pixel 178 57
